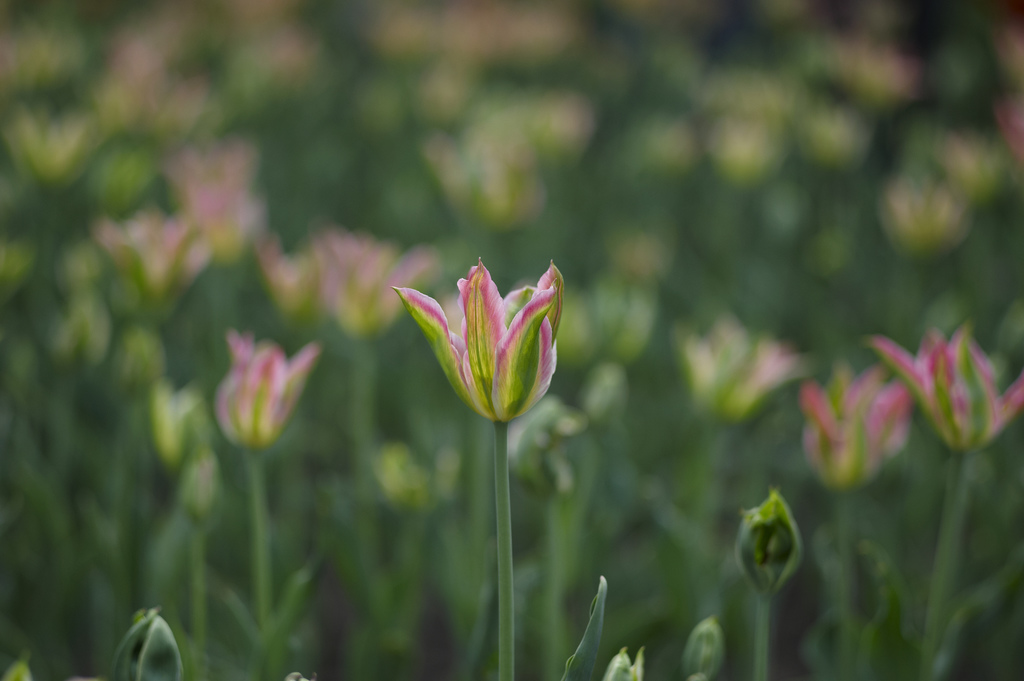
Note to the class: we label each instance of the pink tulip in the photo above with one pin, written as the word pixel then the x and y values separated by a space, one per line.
pixel 293 281
pixel 503 361
pixel 158 255
pixel 358 273
pixel 257 397
pixel 854 425
pixel 954 385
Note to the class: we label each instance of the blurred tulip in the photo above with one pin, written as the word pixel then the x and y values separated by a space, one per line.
pixel 18 671
pixel 705 650
pixel 81 266
pixel 833 137
pixel 973 165
pixel 768 545
pixel 157 256
pixel 444 91
pixel 620 668
pixel 16 258
pixel 624 317
pixel 878 76
pixel 1010 50
pixel 294 282
pixel 200 483
pixel 141 358
pixel 358 274
pixel 404 482
pixel 178 420
pixel 605 392
pixel 954 385
pixel 257 397
pixel 122 177
pixel 503 361
pixel 923 218
pixel 39 56
pixel 744 150
pixel 755 96
pixel 732 374
pixel 213 189
pixel 854 425
pixel 148 652
pixel 536 446
pixel 83 332
pixel 664 146
pixel 51 150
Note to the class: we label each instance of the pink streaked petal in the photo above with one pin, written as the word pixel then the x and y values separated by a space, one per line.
pixel 518 358
pixel 548 363
pixel 225 391
pixel 904 365
pixel 888 419
pixel 515 301
pixel 241 346
pixel 1012 402
pixel 816 407
pixel 862 389
pixel 483 326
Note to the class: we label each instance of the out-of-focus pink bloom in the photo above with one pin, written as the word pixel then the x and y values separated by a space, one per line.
pixel 358 273
pixel 854 424
pixel 213 188
pixel 158 256
pixel 730 373
pixel 954 384
pixel 879 76
pixel 503 361
pixel 923 218
pixel 257 397
pixel 293 281
pixel 1010 117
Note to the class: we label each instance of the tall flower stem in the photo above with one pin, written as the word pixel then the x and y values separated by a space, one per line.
pixel 260 543
pixel 847 660
pixel 506 615
pixel 947 553
pixel 761 636
pixel 199 602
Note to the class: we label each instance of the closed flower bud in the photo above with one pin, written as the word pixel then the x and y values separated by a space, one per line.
pixel 18 671
pixel 141 360
pixel 923 218
pixel 148 652
pixel 621 669
pixel 199 484
pixel 536 446
pixel 974 165
pixel 768 545
pixel 705 650
pixel 296 676
pixel 178 420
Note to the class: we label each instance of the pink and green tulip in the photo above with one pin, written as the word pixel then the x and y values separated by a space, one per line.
pixel 503 361
pixel 292 281
pixel 256 399
pixel 854 425
pixel 954 384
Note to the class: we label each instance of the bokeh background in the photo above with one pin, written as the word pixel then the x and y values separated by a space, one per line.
pixel 817 171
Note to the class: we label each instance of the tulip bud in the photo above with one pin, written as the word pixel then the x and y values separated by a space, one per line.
pixel 178 420
pixel 293 282
pixel 52 151
pixel 536 449
pixel 833 137
pixel 923 219
pixel 973 165
pixel 199 484
pixel 705 650
pixel 605 392
pixel 625 316
pixel 768 545
pixel 745 150
pixel 141 361
pixel 620 668
pixel 15 263
pixel 148 652
pixel 18 671
pixel 401 478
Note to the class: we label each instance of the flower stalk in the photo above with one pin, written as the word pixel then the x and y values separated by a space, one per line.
pixel 198 578
pixel 503 506
pixel 260 542
pixel 762 634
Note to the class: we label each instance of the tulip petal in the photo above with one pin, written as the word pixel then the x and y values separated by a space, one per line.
pixel 904 365
pixel 552 278
pixel 518 358
pixel 428 314
pixel 1012 402
pixel 482 327
pixel 516 300
pixel 816 407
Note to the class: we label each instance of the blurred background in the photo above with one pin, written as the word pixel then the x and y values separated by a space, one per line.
pixel 811 172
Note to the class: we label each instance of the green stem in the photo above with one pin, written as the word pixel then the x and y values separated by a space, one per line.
pixel 846 626
pixel 506 614
pixel 554 617
pixel 199 602
pixel 260 543
pixel 761 637
pixel 947 553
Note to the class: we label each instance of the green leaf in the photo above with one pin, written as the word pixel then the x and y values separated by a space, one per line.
pixel 580 666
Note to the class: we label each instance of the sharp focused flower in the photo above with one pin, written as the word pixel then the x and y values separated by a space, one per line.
pixel 732 374
pixel 293 281
pixel 954 384
pixel 358 273
pixel 213 188
pixel 503 361
pixel 854 424
pixel 158 256
pixel 257 397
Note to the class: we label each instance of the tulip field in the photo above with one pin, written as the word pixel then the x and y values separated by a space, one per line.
pixel 511 341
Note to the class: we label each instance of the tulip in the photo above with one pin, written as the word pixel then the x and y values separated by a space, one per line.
pixel 879 76
pixel 745 149
pixel 854 425
pixel 1010 50
pixel 213 189
pixel 705 650
pixel 51 150
pixel 257 397
pixel 358 273
pixel 504 359
pixel 621 669
pixel 148 651
pixel 731 374
pixel 178 421
pixel 293 281
pixel 537 450
pixel 18 671
pixel 156 256
pixel 833 137
pixel 974 165
pixel 199 484
pixel 953 383
pixel 923 219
